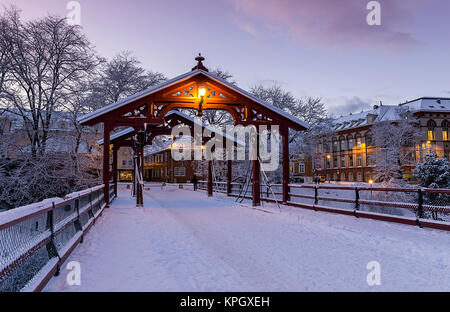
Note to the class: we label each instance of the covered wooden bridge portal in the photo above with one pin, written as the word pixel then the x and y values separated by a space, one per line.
pixel 198 89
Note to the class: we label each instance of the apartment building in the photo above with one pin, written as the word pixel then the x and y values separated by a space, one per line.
pixel 348 153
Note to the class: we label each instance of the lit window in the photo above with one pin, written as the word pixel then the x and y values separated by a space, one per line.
pixel 343 162
pixel 431 127
pixel 350 144
pixel 445 130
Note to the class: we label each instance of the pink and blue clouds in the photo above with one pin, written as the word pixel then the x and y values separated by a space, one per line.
pixel 320 48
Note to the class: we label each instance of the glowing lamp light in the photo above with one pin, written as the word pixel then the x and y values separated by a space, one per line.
pixel 370 181
pixel 328 156
pixel 201 92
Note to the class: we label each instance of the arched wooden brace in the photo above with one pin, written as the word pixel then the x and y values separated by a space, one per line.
pixel 183 92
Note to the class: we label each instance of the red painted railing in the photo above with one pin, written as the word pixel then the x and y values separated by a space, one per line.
pixel 358 201
pixel 36 240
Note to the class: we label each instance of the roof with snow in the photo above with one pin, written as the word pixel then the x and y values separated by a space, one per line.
pixel 428 104
pixel 196 121
pixel 109 108
pixel 378 114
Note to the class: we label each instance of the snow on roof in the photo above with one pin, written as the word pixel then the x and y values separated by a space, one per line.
pixel 379 113
pixel 191 119
pixel 117 135
pixel 178 79
pixel 432 104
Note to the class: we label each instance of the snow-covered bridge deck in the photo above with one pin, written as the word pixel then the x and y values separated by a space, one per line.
pixel 183 241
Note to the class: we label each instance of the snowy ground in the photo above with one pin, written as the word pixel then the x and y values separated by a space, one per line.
pixel 183 241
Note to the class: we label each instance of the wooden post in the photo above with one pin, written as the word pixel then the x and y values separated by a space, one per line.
pixel 115 151
pixel 106 142
pixel 229 176
pixel 210 179
pixel 256 186
pixel 286 161
pixel 142 170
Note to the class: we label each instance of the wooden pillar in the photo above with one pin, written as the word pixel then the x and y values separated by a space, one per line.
pixel 256 186
pixel 229 175
pixel 286 162
pixel 106 143
pixel 142 163
pixel 142 170
pixel 210 179
pixel 115 151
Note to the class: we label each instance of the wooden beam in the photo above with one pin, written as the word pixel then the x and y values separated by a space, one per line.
pixel 229 176
pixel 286 163
pixel 256 186
pixel 106 146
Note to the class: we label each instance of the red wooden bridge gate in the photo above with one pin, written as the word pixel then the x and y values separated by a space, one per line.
pixel 200 90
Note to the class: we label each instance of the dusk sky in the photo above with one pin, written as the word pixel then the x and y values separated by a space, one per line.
pixel 319 48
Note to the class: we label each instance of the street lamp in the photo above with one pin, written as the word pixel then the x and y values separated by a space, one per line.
pixel 371 188
pixel 327 164
pixel 201 95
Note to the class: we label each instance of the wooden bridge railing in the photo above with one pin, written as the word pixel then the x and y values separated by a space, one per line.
pixel 421 206
pixel 36 240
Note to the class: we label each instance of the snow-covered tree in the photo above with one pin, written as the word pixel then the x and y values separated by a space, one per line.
pixel 44 57
pixel 434 173
pixel 121 77
pixel 395 142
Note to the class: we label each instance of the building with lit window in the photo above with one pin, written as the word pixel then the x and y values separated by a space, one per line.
pixel 348 154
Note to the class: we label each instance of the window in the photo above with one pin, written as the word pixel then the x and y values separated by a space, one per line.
pixel 328 163
pixel 335 146
pixel 350 161
pixel 358 142
pixel 335 162
pixel 369 160
pixel 179 171
pixel 350 177
pixel 124 162
pixel 301 168
pixel 369 141
pixel 343 145
pixel 431 125
pixel 445 130
pixel 130 163
pixel 350 144
pixel 343 162
pixel 359 177
pixel 359 161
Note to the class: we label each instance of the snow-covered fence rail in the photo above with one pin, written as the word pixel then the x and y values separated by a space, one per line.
pixel 413 206
pixel 37 239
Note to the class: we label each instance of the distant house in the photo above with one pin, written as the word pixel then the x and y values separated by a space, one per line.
pixel 348 153
pixel 161 167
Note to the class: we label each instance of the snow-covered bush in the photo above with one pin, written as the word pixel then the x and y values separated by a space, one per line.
pixel 28 179
pixel 434 173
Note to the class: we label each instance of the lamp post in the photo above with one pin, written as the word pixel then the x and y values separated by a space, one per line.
pixel 371 188
pixel 326 172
